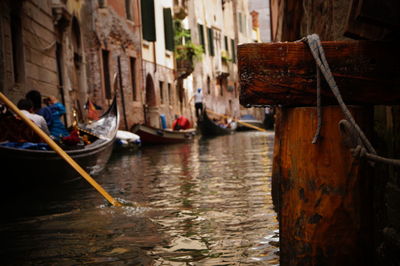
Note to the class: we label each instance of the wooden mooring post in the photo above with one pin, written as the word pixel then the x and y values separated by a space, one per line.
pixel 323 194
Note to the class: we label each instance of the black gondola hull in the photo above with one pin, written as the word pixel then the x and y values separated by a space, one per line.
pixel 25 166
pixel 209 128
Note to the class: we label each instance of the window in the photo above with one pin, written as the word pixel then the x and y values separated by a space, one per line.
pixel 224 85
pixel 233 46
pixel 161 91
pixel 211 41
pixel 128 9
pixel 208 85
pixel 188 37
pixel 201 36
pixel 132 61
pixel 169 94
pixel 148 20
pixel 226 44
pixel 17 47
pixel 168 30
pixel 106 73
pixel 244 27
pixel 240 22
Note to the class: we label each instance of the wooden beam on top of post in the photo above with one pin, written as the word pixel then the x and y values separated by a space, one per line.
pixel 284 73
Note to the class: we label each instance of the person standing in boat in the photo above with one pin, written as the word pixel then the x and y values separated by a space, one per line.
pixel 57 128
pixel 198 102
pixel 36 98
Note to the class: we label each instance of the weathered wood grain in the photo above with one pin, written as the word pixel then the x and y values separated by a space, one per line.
pixel 325 201
pixel 285 73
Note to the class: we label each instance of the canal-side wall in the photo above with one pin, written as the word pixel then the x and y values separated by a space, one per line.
pixel 28 44
pixel 114 50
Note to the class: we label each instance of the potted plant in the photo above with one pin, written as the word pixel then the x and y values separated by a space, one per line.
pixel 186 52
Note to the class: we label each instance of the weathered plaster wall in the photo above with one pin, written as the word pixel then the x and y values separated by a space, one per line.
pixel 110 30
pixel 37 70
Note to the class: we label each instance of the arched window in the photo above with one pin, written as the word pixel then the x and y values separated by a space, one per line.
pixel 208 85
pixel 150 93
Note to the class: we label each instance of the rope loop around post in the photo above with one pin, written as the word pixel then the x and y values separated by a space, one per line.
pixel 362 146
pixel 353 142
pixel 318 53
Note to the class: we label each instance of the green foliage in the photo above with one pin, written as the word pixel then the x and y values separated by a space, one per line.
pixel 184 48
pixel 225 56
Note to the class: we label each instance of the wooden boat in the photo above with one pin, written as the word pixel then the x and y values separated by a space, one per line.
pixel 209 128
pixel 152 135
pixel 35 166
pixel 251 120
pixel 127 141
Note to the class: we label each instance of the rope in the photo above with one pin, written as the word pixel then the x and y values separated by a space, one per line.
pixel 364 147
pixel 318 53
pixel 352 141
pixel 319 109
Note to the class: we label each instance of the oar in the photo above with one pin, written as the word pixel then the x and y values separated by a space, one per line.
pixel 240 122
pixel 59 151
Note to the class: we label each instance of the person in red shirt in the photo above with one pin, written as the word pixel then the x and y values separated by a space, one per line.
pixel 181 122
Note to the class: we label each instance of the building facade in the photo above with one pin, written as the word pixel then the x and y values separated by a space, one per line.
pixel 82 51
pixel 74 50
pixel 219 26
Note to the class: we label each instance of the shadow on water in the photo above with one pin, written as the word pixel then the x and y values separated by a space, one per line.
pixel 204 203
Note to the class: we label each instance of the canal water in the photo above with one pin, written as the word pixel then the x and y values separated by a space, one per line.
pixel 202 203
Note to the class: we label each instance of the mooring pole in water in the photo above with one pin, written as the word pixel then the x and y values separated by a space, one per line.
pixel 324 193
pixel 59 151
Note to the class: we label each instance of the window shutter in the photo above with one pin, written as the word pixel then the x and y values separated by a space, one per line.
pixel 240 22
pixel 233 50
pixel 211 41
pixel 201 34
pixel 148 20
pixel 168 29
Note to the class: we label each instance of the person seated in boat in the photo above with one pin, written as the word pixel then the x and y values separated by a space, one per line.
pixel 36 98
pixel 223 123
pixel 93 110
pixel 180 122
pixel 57 127
pixel 13 129
pixel 26 108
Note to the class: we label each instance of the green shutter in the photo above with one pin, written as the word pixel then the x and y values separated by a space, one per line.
pixel 211 41
pixel 168 29
pixel 201 34
pixel 233 50
pixel 148 20
pixel 240 22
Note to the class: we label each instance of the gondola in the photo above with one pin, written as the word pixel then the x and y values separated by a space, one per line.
pixel 152 135
pixel 27 166
pixel 209 128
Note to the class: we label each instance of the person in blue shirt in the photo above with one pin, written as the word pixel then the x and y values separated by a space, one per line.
pixel 57 127
pixel 36 98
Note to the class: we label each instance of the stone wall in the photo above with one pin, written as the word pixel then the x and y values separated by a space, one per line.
pixel 28 62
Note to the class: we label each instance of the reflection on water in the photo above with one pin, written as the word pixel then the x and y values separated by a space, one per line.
pixel 202 203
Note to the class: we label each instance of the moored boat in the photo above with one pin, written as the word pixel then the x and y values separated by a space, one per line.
pixel 128 141
pixel 152 135
pixel 35 166
pixel 208 127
